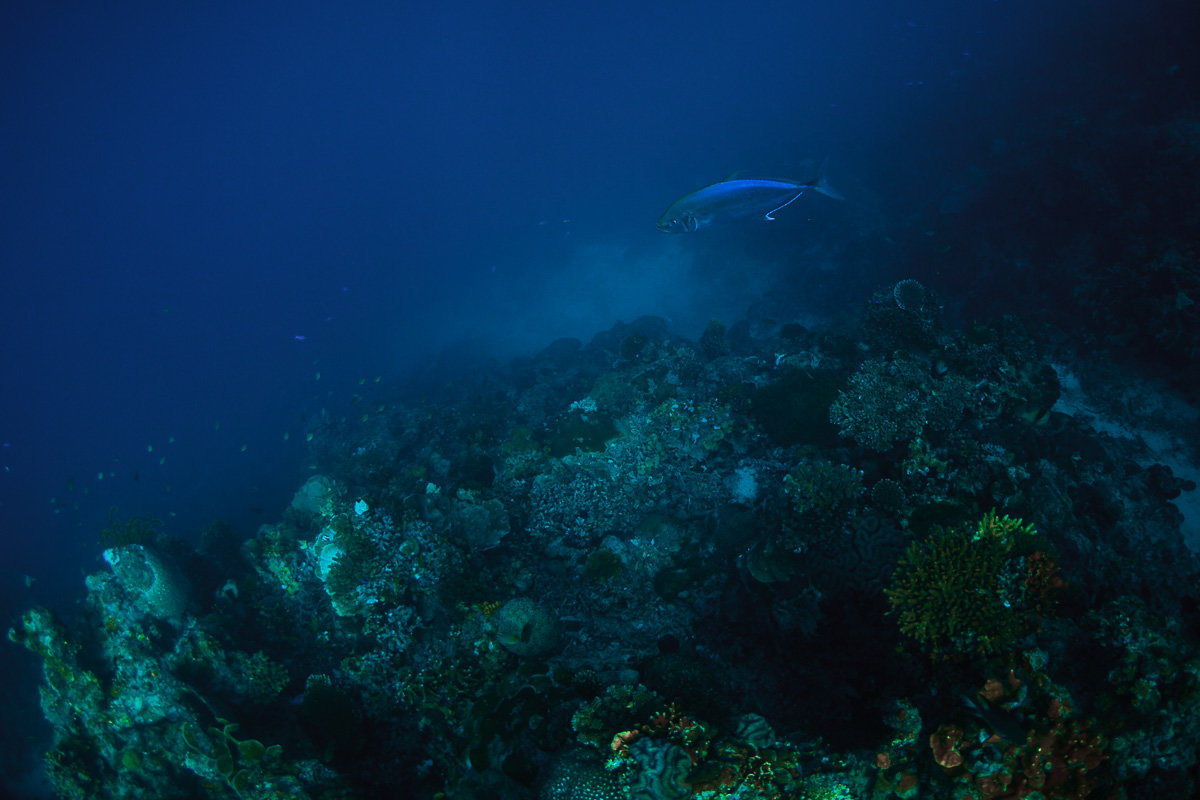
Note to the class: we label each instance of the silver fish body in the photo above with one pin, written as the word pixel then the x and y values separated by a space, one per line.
pixel 734 200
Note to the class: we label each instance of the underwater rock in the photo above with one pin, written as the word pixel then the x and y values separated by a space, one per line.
pixel 330 717
pixel 478 521
pixel 795 408
pixel 153 578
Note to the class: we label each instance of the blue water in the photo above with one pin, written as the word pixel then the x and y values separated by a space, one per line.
pixel 220 221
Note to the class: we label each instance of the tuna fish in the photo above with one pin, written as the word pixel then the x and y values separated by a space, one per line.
pixel 735 199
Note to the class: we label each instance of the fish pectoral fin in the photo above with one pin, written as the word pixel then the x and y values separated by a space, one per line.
pixel 794 198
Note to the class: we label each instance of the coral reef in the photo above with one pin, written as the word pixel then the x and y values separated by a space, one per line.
pixel 650 568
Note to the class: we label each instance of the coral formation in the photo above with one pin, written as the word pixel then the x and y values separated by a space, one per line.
pixel 892 402
pixel 973 590
pixel 576 776
pixel 650 568
pixel 525 628
pixel 909 294
pixel 157 585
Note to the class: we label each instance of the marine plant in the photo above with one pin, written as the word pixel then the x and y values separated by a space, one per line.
pixel 242 763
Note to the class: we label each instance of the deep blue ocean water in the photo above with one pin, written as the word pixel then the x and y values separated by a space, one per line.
pixel 221 221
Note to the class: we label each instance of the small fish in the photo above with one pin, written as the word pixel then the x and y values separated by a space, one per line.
pixel 1004 724
pixel 736 199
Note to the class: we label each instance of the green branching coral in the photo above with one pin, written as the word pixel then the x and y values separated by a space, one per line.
pixel 972 590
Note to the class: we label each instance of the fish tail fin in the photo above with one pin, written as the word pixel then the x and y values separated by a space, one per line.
pixel 821 184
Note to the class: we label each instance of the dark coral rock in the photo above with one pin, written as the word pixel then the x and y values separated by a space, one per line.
pixel 602 565
pixel 330 718
pixel 795 409
pixel 712 341
pixel 578 431
pixel 694 682
pixel 474 471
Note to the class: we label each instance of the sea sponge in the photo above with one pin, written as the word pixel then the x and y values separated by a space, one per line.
pixel 526 629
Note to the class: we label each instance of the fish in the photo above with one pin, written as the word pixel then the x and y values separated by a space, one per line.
pixel 1004 724
pixel 735 199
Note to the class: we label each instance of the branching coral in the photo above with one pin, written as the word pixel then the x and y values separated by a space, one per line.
pixel 973 590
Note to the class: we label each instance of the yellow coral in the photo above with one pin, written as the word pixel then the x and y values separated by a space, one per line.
pixel 1006 528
